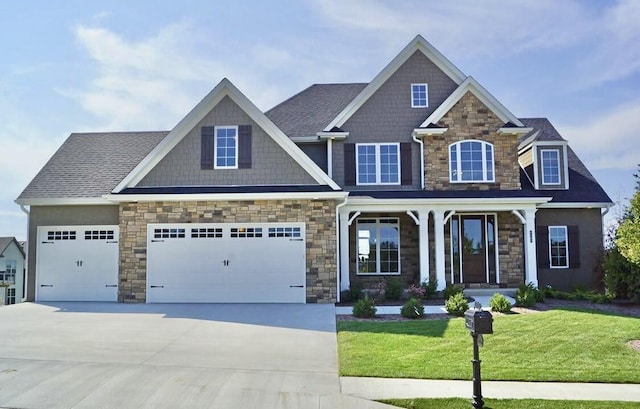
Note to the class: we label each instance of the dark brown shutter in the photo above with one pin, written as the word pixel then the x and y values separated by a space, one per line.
pixel 207 147
pixel 244 146
pixel 405 164
pixel 349 164
pixel 542 242
pixel 574 246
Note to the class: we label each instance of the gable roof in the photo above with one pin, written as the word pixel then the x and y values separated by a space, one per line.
pixel 417 44
pixel 543 130
pixel 473 86
pixel 224 89
pixel 87 166
pixel 310 110
pixel 6 241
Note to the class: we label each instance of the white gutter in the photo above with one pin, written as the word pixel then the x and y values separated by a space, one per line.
pixel 338 206
pixel 117 198
pixel 26 259
pixel 421 143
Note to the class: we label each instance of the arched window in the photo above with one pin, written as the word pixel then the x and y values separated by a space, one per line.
pixel 471 161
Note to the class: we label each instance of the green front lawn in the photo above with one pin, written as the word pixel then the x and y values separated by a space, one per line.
pixel 458 403
pixel 558 345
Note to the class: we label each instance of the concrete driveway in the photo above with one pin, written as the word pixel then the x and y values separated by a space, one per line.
pixel 99 355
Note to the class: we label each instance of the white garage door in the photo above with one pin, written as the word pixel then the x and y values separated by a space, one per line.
pixel 77 263
pixel 226 262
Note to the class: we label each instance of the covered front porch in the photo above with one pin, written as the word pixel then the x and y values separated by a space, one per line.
pixel 474 242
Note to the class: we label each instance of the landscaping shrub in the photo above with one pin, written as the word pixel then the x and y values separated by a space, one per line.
pixel 528 295
pixel 451 290
pixel 430 288
pixel 394 289
pixel 621 277
pixel 412 309
pixel 354 293
pixel 578 295
pixel 364 308
pixel 500 303
pixel 416 291
pixel 456 304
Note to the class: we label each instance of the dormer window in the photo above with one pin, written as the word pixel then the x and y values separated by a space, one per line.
pixel 550 166
pixel 419 96
pixel 471 161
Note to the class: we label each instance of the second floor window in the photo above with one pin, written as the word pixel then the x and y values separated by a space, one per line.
pixel 550 166
pixel 471 161
pixel 419 96
pixel 378 164
pixel 226 147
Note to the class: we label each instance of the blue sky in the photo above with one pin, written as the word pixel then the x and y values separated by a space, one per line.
pixel 78 66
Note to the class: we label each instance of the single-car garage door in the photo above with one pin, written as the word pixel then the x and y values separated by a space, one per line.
pixel 77 263
pixel 247 262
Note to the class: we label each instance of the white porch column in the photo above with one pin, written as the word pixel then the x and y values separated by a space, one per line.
pixel 344 251
pixel 530 255
pixel 423 240
pixel 438 219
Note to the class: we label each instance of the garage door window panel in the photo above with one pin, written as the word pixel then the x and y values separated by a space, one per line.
pixel 61 235
pixel 169 233
pixel 246 232
pixel 98 235
pixel 284 232
pixel 203 233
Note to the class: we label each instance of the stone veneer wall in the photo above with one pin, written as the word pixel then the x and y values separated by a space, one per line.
pixel 510 250
pixel 471 119
pixel 318 215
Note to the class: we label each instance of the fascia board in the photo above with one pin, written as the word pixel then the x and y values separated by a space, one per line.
pixel 471 85
pixel 224 88
pixel 420 132
pixel 558 142
pixel 63 201
pixel 120 198
pixel 514 131
pixel 576 205
pixel 417 44
pixel 451 204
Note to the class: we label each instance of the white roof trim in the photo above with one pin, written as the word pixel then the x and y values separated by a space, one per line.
pixel 514 131
pixel 473 86
pixel 223 89
pixel 417 44
pixel 418 132
pixel 576 205
pixel 558 142
pixel 453 203
pixel 63 201
pixel 115 198
pixel 333 135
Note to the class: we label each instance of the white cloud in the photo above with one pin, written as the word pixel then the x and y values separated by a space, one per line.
pixel 610 141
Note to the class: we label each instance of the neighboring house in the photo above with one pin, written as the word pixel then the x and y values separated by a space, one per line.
pixel 420 174
pixel 11 271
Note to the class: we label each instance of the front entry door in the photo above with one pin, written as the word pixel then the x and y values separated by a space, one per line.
pixel 474 255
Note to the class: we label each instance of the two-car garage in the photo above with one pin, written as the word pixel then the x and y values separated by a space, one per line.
pixel 186 263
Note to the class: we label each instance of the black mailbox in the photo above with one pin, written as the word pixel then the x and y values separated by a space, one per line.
pixel 478 321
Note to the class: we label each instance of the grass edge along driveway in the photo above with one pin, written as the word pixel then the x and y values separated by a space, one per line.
pixel 459 403
pixel 559 345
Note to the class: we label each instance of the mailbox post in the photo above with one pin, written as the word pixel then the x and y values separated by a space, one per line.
pixel 478 322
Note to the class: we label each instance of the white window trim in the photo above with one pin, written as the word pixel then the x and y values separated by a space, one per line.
pixel 566 235
pixel 557 152
pixel 215 147
pixel 378 165
pixel 378 224
pixel 426 89
pixel 484 163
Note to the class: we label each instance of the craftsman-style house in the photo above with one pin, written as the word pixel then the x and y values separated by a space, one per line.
pixel 420 174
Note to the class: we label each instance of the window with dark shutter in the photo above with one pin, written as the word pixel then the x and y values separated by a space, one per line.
pixel 574 247
pixel 349 164
pixel 207 147
pixel 542 242
pixel 244 146
pixel 405 164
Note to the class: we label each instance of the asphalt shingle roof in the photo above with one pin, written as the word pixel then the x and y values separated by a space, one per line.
pixel 91 164
pixel 311 110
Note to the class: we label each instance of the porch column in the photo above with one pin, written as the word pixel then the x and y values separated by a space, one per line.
pixel 438 224
pixel 344 251
pixel 530 255
pixel 423 240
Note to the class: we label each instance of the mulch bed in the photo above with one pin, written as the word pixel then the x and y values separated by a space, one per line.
pixel 627 309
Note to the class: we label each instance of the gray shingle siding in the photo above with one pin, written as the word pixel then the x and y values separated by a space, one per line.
pixel 271 165
pixel 387 115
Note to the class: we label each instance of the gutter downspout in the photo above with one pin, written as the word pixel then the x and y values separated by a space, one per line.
pixel 421 143
pixel 346 198
pixel 25 292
